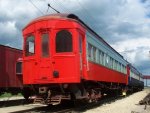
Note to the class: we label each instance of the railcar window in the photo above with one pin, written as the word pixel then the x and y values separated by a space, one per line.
pixel 104 60
pixel 111 63
pixel 107 61
pixel 122 68
pixel 94 54
pixel 125 70
pixel 114 64
pixel 97 55
pixel 30 46
pixel 64 41
pixel 89 51
pixel 102 55
pixel 80 43
pixel 45 45
pixel 119 67
pixel 19 68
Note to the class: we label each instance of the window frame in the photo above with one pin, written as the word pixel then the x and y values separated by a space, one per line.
pixel 41 34
pixel 94 53
pixel 19 70
pixel 25 45
pixel 71 33
pixel 89 51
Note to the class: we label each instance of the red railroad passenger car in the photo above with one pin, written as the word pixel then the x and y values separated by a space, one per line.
pixel 9 80
pixel 65 59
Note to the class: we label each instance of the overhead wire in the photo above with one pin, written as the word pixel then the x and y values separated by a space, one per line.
pixel 49 6
pixel 36 7
pixel 61 6
pixel 82 15
pixel 69 11
pixel 66 9
pixel 87 12
pixel 47 10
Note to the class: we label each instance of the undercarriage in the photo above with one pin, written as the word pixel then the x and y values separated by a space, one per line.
pixel 89 91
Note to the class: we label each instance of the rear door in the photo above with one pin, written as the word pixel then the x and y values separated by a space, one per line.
pixel 65 61
pixel 29 59
pixel 82 54
pixel 45 65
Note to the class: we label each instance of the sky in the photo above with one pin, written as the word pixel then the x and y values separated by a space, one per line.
pixel 124 24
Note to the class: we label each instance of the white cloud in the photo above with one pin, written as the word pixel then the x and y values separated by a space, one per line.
pixel 125 24
pixel 134 50
pixel 8 28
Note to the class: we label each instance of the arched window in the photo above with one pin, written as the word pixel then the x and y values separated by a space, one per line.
pixel 63 41
pixel 30 46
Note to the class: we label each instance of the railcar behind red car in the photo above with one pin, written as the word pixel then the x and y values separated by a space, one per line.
pixel 9 80
pixel 63 58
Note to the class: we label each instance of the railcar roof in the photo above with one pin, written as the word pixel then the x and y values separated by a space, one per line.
pixel 75 18
pixel 134 69
pixel 5 46
pixel 47 17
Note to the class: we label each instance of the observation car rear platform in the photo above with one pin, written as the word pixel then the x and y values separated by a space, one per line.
pixel 52 51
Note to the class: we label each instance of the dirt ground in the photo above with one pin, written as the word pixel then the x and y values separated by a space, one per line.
pixel 125 105
pixel 128 104
pixel 19 108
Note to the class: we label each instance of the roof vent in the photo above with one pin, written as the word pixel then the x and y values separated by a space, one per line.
pixel 73 16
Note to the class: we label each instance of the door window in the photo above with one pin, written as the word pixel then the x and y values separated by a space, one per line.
pixel 30 46
pixel 80 43
pixel 80 50
pixel 64 41
pixel 45 45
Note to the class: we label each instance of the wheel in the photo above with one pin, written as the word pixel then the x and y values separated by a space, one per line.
pixel 26 92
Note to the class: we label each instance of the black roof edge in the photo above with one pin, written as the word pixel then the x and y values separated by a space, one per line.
pixel 131 66
pixel 73 16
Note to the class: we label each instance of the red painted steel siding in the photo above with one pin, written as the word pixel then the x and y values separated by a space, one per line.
pixel 67 64
pixel 100 73
pixel 8 58
pixel 128 74
pixel 146 76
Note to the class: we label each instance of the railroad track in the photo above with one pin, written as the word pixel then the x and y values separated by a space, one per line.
pixel 16 102
pixel 68 108
pixel 47 109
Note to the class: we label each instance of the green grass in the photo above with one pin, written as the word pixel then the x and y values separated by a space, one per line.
pixel 5 95
pixel 9 95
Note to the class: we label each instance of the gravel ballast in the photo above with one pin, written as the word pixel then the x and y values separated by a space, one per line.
pixel 129 104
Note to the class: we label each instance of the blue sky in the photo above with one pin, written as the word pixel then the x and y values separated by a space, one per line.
pixel 124 24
